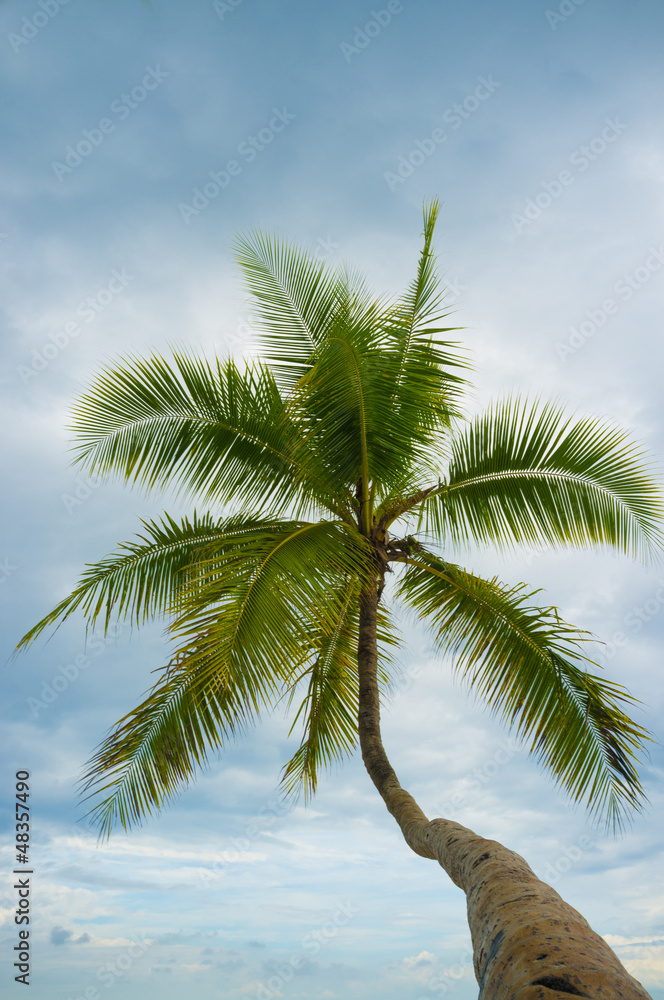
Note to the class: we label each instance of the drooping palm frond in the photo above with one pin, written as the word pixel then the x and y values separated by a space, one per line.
pixel 205 428
pixel 256 613
pixel 526 663
pixel 143 578
pixel 526 473
pixel 159 746
pixel 329 708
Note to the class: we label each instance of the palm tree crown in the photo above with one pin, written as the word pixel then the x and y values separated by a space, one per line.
pixel 339 453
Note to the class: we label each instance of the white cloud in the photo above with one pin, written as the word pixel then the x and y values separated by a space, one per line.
pixel 416 961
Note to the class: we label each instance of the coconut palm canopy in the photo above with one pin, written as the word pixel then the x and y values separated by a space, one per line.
pixel 338 460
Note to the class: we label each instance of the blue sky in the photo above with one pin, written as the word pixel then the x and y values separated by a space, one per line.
pixel 539 128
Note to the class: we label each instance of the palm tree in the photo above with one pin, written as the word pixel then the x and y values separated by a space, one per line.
pixel 337 459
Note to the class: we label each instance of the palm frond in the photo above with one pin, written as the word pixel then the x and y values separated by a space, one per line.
pixel 424 370
pixel 526 663
pixel 296 298
pixel 329 709
pixel 424 298
pixel 526 473
pixel 358 427
pixel 144 578
pixel 275 590
pixel 210 429
pixel 158 747
pixel 256 613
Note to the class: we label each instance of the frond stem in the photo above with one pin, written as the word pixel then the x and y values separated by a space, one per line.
pixel 365 512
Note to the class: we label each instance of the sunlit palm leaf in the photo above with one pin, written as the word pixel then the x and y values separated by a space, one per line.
pixel 330 706
pixel 295 296
pixel 424 371
pixel 203 427
pixel 257 612
pixel 143 578
pixel 526 473
pixel 526 663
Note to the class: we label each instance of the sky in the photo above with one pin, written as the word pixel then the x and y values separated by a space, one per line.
pixel 137 140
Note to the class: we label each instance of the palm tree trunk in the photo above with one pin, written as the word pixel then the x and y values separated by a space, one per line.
pixel 528 944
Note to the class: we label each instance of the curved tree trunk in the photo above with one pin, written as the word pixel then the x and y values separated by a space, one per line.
pixel 528 943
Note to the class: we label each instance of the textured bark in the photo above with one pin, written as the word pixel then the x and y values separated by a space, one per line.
pixel 528 943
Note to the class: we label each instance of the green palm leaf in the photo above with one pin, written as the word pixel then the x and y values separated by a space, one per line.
pixel 142 579
pixel 526 473
pixel 272 596
pixel 158 747
pixel 330 706
pixel 371 429
pixel 257 611
pixel 204 427
pixel 295 296
pixel 525 662
pixel 425 387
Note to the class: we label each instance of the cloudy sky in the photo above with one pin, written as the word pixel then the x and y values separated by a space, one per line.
pixel 137 140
